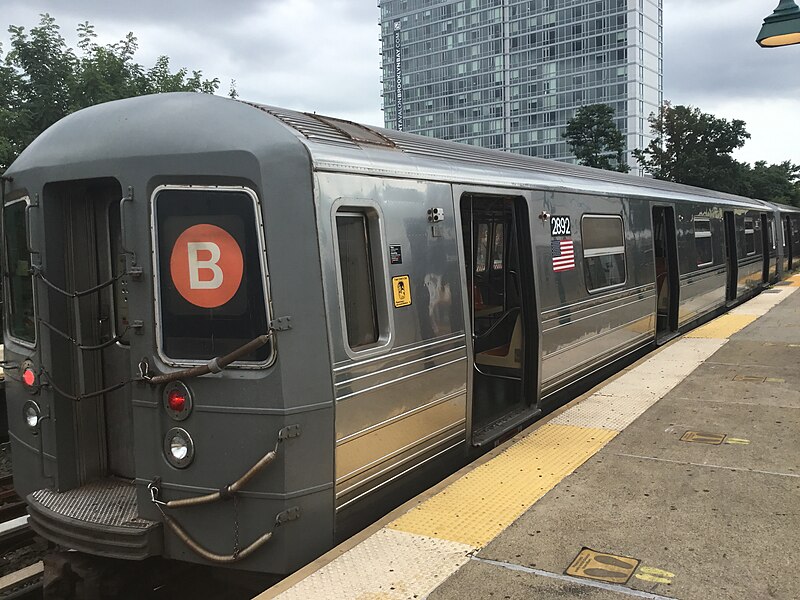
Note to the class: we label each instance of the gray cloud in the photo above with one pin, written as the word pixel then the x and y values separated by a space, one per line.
pixel 323 56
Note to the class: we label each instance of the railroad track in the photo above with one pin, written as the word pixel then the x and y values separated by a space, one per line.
pixel 15 533
pixel 11 505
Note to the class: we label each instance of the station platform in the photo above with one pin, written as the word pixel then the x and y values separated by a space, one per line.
pixel 678 478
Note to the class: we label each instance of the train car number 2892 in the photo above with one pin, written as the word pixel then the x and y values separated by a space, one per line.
pixel 560 226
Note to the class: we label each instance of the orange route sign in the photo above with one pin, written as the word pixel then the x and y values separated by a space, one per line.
pixel 206 265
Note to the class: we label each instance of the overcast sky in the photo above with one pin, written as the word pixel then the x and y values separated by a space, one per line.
pixel 323 55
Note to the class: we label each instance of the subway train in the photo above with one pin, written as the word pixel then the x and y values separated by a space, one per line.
pixel 235 333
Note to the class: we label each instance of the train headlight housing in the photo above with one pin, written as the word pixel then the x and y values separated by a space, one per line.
pixel 179 448
pixel 32 415
pixel 178 400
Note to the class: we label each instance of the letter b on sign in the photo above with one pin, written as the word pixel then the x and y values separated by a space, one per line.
pixel 206 265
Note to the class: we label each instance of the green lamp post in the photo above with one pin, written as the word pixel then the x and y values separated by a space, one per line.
pixel 782 27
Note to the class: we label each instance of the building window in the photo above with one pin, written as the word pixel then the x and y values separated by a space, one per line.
pixel 357 279
pixel 703 244
pixel 603 251
pixel 749 236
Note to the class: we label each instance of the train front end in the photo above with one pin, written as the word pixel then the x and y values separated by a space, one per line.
pixel 167 371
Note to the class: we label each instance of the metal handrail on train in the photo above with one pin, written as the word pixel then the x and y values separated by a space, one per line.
pixel 215 365
pixel 224 493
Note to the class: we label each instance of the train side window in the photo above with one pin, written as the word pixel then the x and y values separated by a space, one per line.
pixel 357 279
pixel 603 251
pixel 749 236
pixel 20 317
pixel 704 247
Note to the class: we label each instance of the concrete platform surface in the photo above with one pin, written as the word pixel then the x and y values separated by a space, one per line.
pixel 678 479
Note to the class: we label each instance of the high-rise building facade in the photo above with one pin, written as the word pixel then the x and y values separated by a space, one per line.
pixel 509 74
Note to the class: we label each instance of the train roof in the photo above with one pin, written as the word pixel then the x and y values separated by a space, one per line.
pixel 187 124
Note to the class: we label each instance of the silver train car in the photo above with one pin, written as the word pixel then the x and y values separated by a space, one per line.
pixel 236 333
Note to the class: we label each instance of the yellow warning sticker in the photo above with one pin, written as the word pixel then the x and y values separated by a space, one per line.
pixel 600 566
pixel 402 291
pixel 699 437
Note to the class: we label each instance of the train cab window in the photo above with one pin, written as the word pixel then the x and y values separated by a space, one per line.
pixel 20 317
pixel 357 279
pixel 211 272
pixel 704 247
pixel 749 237
pixel 603 251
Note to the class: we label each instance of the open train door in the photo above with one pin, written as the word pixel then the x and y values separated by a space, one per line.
pixel 667 278
pixel 766 246
pixel 731 257
pixel 502 314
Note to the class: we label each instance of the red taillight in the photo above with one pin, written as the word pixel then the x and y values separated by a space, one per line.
pixel 176 400
pixel 28 377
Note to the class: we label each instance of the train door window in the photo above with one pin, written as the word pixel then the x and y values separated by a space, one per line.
pixel 603 251
pixel 211 272
pixel 357 279
pixel 771 225
pixel 20 315
pixel 704 247
pixel 497 248
pixel 482 248
pixel 749 236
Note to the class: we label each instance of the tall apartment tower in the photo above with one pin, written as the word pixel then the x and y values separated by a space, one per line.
pixel 509 74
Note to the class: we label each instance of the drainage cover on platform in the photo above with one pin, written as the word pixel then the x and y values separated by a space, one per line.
pixel 772 291
pixel 700 437
pixel 600 566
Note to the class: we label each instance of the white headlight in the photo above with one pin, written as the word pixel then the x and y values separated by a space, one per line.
pixel 178 447
pixel 32 415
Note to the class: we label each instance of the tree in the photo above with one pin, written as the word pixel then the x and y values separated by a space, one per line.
pixel 776 183
pixel 42 80
pixel 595 139
pixel 695 148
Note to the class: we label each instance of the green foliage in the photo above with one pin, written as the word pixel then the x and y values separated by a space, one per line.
pixel 776 183
pixel 595 139
pixel 694 148
pixel 42 80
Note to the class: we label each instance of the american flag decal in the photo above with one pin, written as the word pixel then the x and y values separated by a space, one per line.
pixel 563 255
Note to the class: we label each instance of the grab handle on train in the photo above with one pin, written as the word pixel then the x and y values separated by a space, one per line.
pixel 215 365
pixel 32 203
pixel 123 228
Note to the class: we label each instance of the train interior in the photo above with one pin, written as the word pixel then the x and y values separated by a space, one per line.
pixel 86 319
pixel 501 313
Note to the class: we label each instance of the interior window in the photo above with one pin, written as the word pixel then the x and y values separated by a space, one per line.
pixel 20 314
pixel 703 242
pixel 211 275
pixel 357 284
pixel 749 236
pixel 603 251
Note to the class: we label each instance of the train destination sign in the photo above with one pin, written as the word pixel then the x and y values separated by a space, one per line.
pixel 206 265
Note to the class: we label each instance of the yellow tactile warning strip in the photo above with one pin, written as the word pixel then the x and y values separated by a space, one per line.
pixel 722 327
pixel 415 553
pixel 480 505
